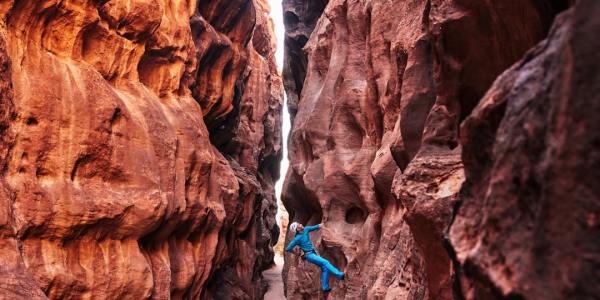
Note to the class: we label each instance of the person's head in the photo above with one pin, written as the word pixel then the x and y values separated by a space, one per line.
pixel 296 227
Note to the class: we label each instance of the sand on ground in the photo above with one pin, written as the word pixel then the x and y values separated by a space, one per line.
pixel 273 277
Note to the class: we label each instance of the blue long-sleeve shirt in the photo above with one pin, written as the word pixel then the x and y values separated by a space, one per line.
pixel 303 240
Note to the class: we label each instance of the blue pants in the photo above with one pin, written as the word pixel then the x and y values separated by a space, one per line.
pixel 326 267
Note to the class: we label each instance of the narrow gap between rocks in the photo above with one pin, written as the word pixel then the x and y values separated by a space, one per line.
pixel 273 275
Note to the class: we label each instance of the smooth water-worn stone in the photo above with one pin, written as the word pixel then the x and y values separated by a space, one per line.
pixel 112 184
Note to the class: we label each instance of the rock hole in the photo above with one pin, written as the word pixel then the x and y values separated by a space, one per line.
pixel 31 121
pixel 355 215
pixel 114 119
pixel 39 172
pixel 115 116
pixel 452 144
pixel 81 161
pixel 290 19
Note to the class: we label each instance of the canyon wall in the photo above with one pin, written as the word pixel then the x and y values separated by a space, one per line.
pixel 140 141
pixel 378 91
pixel 528 225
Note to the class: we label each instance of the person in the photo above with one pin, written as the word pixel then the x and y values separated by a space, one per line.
pixel 302 239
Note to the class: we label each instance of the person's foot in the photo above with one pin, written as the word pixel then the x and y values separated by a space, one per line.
pixel 327 290
pixel 343 276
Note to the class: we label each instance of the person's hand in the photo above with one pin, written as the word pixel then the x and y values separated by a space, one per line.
pixel 323 229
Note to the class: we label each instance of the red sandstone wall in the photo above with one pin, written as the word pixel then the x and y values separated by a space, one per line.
pixel 376 148
pixel 527 226
pixel 116 181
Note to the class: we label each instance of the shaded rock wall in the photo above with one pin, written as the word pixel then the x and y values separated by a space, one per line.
pixel 300 18
pixel 375 150
pixel 117 181
pixel 528 225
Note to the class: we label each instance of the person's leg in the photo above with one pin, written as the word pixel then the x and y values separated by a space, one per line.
pixel 324 264
pixel 319 261
pixel 324 279
pixel 337 273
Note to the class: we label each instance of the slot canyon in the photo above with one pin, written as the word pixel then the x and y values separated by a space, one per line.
pixel 448 148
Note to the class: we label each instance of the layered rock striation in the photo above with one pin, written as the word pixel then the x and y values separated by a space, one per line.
pixel 140 144
pixel 376 150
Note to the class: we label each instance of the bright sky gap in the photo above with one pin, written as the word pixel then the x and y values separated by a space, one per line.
pixel 277 16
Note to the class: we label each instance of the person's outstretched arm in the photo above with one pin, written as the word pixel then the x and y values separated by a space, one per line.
pixel 291 245
pixel 312 228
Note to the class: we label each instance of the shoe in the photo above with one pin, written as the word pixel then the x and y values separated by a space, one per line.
pixel 343 276
pixel 327 290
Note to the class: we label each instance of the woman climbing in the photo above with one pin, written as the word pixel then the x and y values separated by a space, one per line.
pixel 302 239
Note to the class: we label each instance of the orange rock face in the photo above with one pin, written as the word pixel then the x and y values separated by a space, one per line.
pixel 375 150
pixel 112 184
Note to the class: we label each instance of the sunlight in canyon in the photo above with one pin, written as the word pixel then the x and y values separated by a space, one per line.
pixel 277 16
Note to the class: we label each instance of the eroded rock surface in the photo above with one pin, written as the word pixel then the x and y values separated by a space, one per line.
pixel 300 18
pixel 112 184
pixel 528 225
pixel 374 149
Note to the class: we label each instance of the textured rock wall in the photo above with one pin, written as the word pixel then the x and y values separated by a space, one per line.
pixel 528 225
pixel 118 181
pixel 375 150
pixel 300 18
